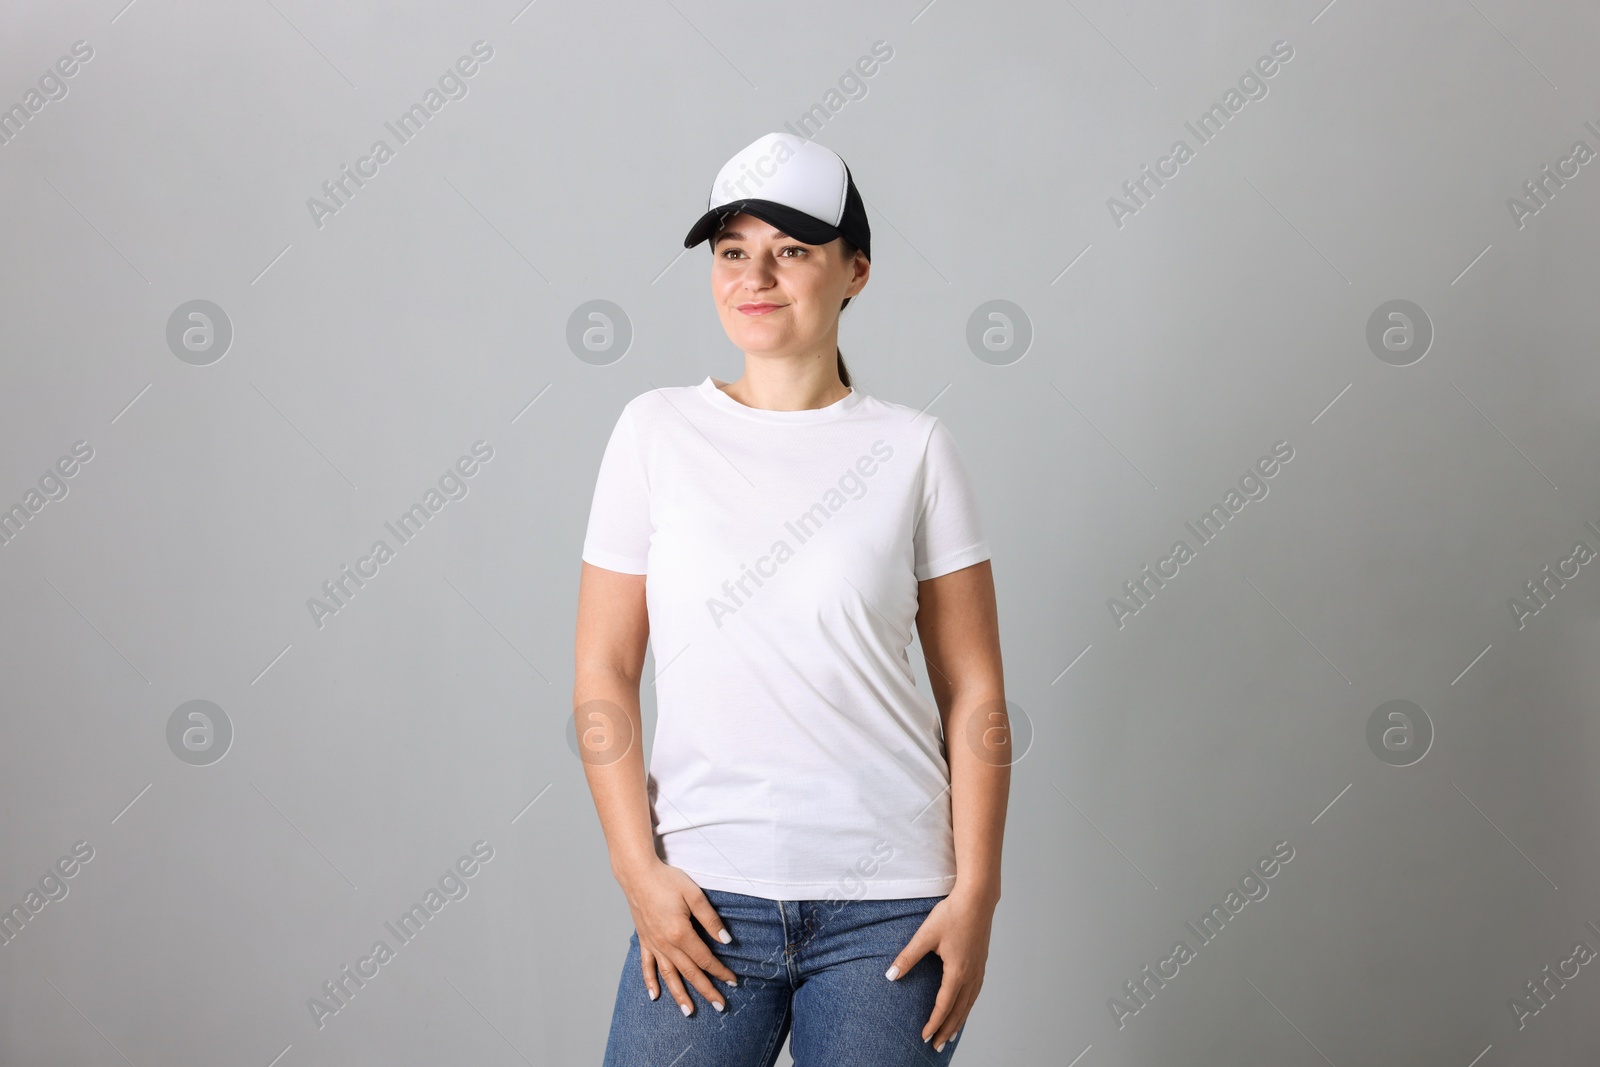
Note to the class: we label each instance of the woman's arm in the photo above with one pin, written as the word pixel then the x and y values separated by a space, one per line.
pixel 960 631
pixel 613 627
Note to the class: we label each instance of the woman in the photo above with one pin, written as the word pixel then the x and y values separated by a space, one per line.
pixel 802 807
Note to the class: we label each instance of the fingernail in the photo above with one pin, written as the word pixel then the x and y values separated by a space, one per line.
pixel 892 973
pixel 724 937
pixel 685 1008
pixel 717 1004
pixel 734 982
pixel 654 994
pixel 939 1047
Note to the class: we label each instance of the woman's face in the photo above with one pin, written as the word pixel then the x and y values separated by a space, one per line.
pixel 775 294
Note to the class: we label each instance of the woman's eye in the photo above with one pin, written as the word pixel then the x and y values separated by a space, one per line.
pixel 734 253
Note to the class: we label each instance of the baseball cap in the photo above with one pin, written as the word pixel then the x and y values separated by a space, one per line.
pixel 796 185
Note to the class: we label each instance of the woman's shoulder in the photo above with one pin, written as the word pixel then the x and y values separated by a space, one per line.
pixel 658 402
pixel 911 424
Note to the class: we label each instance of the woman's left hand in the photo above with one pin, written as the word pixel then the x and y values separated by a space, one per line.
pixel 957 930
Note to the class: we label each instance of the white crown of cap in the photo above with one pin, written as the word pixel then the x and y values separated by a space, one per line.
pixel 787 170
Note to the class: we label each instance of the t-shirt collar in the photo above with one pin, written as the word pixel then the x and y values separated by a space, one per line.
pixel 723 402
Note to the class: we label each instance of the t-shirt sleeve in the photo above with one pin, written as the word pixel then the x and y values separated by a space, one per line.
pixel 949 531
pixel 618 537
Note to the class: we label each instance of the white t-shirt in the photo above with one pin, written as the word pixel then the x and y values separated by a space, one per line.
pixel 795 758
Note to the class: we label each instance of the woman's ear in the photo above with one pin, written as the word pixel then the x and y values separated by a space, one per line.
pixel 863 269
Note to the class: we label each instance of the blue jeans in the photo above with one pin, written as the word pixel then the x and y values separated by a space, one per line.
pixel 814 966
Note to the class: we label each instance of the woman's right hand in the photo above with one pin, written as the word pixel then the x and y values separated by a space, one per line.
pixel 663 898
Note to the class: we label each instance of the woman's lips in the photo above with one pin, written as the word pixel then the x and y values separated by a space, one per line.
pixel 759 309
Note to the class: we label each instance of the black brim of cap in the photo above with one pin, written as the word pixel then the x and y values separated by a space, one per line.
pixel 804 228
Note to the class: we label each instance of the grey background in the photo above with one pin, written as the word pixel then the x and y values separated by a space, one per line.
pixel 1230 313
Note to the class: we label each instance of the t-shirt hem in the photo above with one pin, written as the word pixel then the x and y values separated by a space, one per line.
pixel 953 562
pixel 613 562
pixel 875 889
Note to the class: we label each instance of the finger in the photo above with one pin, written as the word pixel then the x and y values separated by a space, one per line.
pixel 707 961
pixel 696 977
pixel 647 963
pixel 949 989
pixel 958 1013
pixel 669 975
pixel 702 909
pixel 915 949
pixel 695 947
pixel 957 1018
